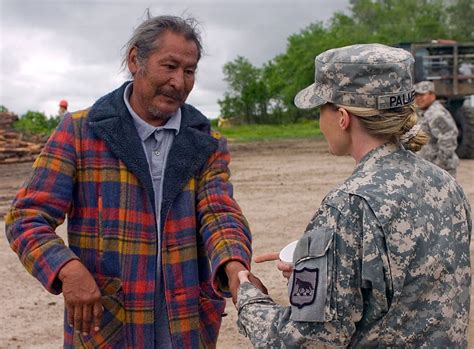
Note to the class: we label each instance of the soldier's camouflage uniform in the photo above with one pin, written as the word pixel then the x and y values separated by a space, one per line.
pixel 438 123
pixel 384 263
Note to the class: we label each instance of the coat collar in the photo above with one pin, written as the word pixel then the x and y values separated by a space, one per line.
pixel 110 120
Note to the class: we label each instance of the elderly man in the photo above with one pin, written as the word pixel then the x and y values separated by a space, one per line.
pixel 438 123
pixel 155 238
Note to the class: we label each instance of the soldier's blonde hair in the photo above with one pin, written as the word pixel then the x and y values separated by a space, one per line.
pixel 390 124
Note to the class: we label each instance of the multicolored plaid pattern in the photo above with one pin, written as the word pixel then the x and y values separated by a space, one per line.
pixel 84 172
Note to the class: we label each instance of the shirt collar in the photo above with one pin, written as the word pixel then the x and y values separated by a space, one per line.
pixel 144 129
pixel 376 154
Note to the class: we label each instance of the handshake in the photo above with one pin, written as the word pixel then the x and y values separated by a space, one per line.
pixel 284 264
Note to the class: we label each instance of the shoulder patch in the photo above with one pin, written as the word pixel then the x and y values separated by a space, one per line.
pixel 304 287
pixel 441 124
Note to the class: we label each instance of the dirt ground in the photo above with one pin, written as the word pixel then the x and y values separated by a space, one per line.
pixel 279 185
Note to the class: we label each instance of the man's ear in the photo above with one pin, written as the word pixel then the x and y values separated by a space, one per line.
pixel 344 119
pixel 132 60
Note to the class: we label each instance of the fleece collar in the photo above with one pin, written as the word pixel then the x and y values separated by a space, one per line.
pixel 111 121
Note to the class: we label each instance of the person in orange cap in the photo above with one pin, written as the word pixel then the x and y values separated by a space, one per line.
pixel 62 107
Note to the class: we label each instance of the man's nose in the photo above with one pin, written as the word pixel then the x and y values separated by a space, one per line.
pixel 177 79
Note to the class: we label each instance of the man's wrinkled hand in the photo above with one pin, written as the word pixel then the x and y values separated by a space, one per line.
pixel 81 296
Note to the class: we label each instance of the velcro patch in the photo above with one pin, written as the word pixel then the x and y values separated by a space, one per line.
pixel 441 125
pixel 304 287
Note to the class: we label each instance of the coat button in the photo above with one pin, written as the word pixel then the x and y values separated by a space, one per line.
pixel 156 152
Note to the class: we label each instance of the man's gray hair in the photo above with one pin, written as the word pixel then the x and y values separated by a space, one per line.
pixel 145 36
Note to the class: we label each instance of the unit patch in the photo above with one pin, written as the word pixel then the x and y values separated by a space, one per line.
pixel 441 124
pixel 304 287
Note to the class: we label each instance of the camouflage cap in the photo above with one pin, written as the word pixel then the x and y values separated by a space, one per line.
pixel 424 87
pixel 370 75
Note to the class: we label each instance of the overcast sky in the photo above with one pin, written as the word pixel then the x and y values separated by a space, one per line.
pixel 72 49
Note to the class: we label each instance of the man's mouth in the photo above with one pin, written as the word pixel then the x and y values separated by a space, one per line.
pixel 175 96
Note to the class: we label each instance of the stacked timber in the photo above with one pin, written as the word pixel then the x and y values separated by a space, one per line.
pixel 15 146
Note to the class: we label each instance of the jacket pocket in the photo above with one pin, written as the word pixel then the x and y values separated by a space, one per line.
pixel 112 327
pixel 313 244
pixel 310 284
pixel 211 308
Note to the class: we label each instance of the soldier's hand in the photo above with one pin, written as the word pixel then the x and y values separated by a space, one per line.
pixel 285 268
pixel 232 269
pixel 246 276
pixel 257 283
pixel 81 296
pixel 243 276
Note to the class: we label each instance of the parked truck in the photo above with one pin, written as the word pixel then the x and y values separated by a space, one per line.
pixel 450 66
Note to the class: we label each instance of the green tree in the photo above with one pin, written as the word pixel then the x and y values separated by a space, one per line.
pixel 3 109
pixel 287 73
pixel 460 16
pixel 36 123
pixel 394 21
pixel 247 97
pixel 293 70
pixel 266 94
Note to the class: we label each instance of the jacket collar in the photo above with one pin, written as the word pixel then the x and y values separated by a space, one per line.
pixel 144 129
pixel 111 121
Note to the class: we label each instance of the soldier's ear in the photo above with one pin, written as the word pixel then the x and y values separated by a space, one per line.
pixel 344 118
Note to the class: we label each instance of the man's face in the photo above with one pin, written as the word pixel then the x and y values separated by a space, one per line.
pixel 164 80
pixel 424 100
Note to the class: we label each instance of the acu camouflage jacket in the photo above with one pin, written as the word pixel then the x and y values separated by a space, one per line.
pixel 438 123
pixel 383 263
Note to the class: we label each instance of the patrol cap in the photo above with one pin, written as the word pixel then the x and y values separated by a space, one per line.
pixel 424 87
pixel 369 75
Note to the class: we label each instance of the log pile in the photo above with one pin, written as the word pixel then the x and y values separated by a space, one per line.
pixel 15 146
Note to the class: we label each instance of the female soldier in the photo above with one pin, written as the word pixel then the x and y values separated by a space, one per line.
pixel 385 260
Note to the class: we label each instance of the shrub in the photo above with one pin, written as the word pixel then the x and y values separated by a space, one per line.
pixel 34 122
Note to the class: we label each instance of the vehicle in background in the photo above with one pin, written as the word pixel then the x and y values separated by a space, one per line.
pixel 450 66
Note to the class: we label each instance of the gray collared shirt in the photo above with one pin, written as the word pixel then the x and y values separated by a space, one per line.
pixel 156 143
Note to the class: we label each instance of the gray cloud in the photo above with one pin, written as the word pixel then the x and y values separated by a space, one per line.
pixel 72 48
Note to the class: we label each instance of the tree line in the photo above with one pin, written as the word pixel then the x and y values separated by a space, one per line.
pixel 265 94
pixel 34 122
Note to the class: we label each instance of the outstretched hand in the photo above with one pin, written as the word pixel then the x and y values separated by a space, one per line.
pixel 243 276
pixel 285 268
pixel 233 269
pixel 246 276
pixel 257 282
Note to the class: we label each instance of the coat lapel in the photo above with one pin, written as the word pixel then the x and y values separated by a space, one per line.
pixel 191 149
pixel 110 120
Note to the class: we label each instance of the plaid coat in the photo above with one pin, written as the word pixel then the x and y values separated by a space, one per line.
pixel 94 169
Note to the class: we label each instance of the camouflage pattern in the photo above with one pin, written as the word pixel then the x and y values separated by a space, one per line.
pixel 438 123
pixel 424 87
pixel 370 75
pixel 395 239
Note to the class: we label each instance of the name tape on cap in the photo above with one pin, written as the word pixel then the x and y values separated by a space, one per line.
pixel 394 101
